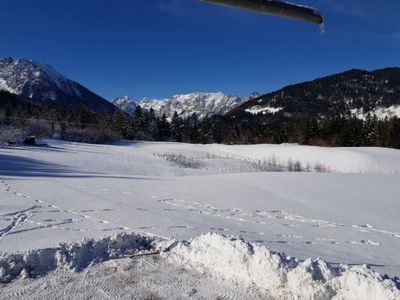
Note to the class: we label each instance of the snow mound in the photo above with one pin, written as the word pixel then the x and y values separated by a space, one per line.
pixel 279 276
pixel 249 265
pixel 74 256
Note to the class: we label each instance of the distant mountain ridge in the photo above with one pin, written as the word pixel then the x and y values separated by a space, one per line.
pixel 125 104
pixel 201 104
pixel 40 82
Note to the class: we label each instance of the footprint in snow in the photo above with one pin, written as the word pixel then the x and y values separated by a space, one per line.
pixel 80 187
pixel 365 242
pixel 181 227
pixel 293 225
pixel 367 226
pixel 219 229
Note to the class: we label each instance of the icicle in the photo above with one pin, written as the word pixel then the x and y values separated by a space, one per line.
pixel 322 28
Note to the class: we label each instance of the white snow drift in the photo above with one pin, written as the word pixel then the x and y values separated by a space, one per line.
pixel 282 277
pixel 271 274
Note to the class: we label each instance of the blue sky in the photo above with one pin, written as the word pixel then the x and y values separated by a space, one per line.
pixel 158 48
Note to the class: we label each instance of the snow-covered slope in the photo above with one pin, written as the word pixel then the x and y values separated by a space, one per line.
pixel 340 159
pixel 40 82
pixel 67 192
pixel 380 112
pixel 125 103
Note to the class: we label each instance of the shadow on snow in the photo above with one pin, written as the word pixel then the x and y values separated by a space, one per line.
pixel 27 167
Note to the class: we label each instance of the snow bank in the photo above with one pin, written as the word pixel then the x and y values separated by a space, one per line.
pixel 342 159
pixel 220 256
pixel 279 276
pixel 74 256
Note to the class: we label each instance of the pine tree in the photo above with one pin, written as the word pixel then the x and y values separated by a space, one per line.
pixel 164 128
pixel 83 117
pixel 8 114
pixel 176 128
pixel 369 131
pixel 121 123
pixel 310 131
pixel 151 128
pixel 138 124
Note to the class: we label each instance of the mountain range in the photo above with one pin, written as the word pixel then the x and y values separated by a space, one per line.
pixel 354 92
pixel 201 104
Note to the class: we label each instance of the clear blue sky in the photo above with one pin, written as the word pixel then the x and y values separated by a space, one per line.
pixel 158 48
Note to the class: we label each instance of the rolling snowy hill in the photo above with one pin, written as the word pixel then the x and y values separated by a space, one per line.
pixel 40 82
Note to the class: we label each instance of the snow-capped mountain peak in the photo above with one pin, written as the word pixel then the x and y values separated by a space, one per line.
pixel 41 82
pixel 251 97
pixel 125 103
pixel 155 104
pixel 201 104
pixel 24 76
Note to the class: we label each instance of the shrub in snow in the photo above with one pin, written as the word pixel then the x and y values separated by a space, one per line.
pixel 11 133
pixel 183 161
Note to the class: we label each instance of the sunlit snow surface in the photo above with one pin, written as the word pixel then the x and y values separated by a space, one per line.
pixel 66 192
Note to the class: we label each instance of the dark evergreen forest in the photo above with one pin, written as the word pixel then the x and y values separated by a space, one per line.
pixel 80 124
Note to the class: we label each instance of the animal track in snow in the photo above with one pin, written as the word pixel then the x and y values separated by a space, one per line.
pixel 365 242
pixel 266 217
pixel 56 209
pixel 18 220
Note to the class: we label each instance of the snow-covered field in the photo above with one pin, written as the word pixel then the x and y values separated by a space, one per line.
pixel 156 195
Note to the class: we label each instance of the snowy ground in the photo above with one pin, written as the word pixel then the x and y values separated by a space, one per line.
pixel 67 192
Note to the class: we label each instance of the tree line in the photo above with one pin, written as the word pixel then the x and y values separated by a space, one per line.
pixel 346 131
pixel 82 125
